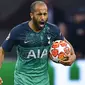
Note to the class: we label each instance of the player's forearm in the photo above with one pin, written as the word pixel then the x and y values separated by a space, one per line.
pixel 1 56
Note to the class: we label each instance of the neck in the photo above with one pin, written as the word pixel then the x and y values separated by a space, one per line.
pixel 33 27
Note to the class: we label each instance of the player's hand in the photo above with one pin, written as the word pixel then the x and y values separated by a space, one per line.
pixel 1 81
pixel 69 61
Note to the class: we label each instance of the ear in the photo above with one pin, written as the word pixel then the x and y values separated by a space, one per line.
pixel 31 15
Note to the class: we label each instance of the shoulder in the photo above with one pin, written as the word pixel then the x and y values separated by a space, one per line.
pixel 19 27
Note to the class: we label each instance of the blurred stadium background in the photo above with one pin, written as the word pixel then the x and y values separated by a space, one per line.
pixel 69 15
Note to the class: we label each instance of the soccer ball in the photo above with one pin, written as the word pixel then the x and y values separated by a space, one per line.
pixel 59 49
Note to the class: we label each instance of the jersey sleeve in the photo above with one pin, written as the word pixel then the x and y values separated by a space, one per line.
pixel 9 42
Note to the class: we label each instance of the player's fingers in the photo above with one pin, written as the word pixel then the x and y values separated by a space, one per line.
pixel 66 63
pixel 65 58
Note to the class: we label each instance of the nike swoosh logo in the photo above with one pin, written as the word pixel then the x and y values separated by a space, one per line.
pixel 26 41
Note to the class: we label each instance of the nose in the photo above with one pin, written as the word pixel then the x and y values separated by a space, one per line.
pixel 42 17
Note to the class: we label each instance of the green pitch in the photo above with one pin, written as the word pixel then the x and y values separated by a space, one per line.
pixel 7 73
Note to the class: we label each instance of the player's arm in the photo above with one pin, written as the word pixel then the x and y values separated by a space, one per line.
pixel 1 56
pixel 7 45
pixel 71 57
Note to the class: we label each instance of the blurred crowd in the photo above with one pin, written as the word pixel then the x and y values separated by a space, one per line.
pixel 74 31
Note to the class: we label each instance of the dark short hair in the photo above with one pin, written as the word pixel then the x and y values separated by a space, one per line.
pixel 32 7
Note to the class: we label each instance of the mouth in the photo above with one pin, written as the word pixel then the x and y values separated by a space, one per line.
pixel 42 23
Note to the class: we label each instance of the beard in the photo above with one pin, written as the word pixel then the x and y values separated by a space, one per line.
pixel 39 25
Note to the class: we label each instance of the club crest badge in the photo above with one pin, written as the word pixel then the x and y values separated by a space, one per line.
pixel 49 39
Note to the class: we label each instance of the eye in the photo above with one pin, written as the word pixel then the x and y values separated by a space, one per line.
pixel 39 14
pixel 45 14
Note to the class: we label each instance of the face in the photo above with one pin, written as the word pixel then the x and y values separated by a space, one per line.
pixel 40 16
